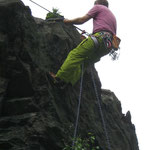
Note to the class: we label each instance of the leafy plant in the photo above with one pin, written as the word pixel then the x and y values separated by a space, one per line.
pixel 54 14
pixel 83 144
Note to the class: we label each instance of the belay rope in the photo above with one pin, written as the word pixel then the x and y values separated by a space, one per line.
pixel 99 106
pixel 100 109
pixel 78 109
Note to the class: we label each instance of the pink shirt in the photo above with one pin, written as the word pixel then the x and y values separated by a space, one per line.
pixel 103 19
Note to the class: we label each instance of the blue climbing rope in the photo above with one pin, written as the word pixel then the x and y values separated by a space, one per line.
pixel 78 109
pixel 100 110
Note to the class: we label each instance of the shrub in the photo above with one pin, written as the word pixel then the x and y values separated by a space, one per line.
pixel 54 14
pixel 83 144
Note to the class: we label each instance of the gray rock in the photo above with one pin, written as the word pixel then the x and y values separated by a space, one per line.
pixel 34 113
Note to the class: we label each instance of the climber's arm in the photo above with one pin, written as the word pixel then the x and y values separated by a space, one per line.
pixel 79 20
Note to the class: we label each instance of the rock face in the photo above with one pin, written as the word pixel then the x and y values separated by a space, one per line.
pixel 34 113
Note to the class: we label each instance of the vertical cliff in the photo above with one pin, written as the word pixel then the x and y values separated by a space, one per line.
pixel 34 113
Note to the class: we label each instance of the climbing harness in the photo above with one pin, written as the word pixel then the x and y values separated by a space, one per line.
pixel 110 41
pixel 95 41
pixel 99 106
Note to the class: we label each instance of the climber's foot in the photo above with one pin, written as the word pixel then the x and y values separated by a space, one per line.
pixel 57 81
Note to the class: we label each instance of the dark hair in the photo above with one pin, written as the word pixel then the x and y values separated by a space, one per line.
pixel 102 2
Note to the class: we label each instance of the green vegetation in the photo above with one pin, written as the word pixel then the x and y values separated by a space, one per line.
pixel 54 14
pixel 84 144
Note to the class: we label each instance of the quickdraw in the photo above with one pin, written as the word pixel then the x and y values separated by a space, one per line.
pixel 111 42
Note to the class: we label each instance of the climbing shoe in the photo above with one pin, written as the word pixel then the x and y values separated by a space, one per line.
pixel 57 81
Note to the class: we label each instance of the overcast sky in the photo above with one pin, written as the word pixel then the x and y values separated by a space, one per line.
pixel 128 77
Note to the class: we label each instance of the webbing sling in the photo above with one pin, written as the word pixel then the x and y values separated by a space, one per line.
pixel 95 41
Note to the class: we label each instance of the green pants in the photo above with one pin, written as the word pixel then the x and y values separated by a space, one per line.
pixel 86 53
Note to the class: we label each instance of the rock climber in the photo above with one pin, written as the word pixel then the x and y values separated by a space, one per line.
pixel 104 27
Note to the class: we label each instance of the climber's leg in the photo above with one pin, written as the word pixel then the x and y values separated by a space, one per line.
pixel 86 53
pixel 70 71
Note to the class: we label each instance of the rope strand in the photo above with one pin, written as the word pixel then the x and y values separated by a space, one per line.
pixel 99 106
pixel 100 110
pixel 78 109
